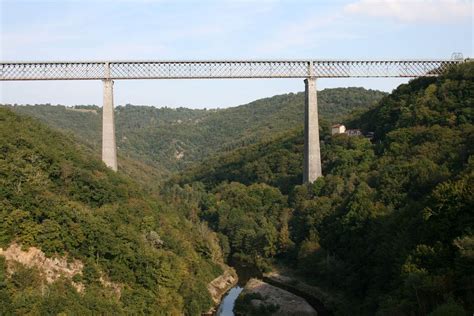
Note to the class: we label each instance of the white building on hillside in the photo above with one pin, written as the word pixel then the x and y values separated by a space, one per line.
pixel 338 129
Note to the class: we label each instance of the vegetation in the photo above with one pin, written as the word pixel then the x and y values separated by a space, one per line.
pixel 57 197
pixel 390 225
pixel 391 222
pixel 173 139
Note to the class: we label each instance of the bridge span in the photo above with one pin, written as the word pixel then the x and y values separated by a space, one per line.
pixel 309 70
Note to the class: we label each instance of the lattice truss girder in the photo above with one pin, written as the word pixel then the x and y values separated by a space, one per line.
pixel 218 69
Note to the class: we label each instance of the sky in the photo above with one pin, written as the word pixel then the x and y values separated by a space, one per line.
pixel 38 30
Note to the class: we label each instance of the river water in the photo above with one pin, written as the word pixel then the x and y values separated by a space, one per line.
pixel 227 305
pixel 244 272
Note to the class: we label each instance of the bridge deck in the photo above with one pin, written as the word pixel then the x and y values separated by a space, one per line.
pixel 223 69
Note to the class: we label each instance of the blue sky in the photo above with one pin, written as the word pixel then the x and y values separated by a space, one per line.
pixel 148 29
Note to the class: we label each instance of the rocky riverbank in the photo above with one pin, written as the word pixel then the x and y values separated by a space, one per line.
pixel 259 297
pixel 316 297
pixel 265 293
pixel 220 286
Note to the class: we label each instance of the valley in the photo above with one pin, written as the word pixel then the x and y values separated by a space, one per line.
pixel 172 140
pixel 387 230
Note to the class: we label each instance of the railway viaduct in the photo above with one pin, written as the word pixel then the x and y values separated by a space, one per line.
pixel 309 70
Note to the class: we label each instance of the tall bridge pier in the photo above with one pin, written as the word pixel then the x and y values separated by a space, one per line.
pixel 107 71
pixel 109 148
pixel 312 152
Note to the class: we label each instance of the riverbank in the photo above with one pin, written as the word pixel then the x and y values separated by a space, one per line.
pixel 261 298
pixel 280 277
pixel 219 287
pixel 312 294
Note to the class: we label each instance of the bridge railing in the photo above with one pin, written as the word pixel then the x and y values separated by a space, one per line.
pixel 89 70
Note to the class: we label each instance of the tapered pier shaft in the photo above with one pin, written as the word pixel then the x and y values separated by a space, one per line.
pixel 312 155
pixel 109 151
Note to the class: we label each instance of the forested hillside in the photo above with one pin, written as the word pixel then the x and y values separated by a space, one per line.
pixel 388 229
pixel 122 250
pixel 173 139
pixel 391 223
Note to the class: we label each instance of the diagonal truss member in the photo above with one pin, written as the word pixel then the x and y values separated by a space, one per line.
pixel 108 71
pixel 78 70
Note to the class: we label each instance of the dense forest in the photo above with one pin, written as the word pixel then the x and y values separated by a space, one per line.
pixel 390 225
pixel 388 229
pixel 137 252
pixel 173 139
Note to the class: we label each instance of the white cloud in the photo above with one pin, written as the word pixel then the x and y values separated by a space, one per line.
pixel 413 10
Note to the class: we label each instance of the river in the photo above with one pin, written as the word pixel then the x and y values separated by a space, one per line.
pixel 244 272
pixel 227 305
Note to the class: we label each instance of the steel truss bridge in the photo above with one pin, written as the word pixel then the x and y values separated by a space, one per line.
pixel 225 69
pixel 108 71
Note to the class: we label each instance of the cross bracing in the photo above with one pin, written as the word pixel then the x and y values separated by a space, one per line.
pixel 223 69
pixel 108 71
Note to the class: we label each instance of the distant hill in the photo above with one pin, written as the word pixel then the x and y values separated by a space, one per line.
pixel 173 139
pixel 118 250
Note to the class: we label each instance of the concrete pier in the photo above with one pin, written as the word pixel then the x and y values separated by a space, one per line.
pixel 312 155
pixel 109 151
